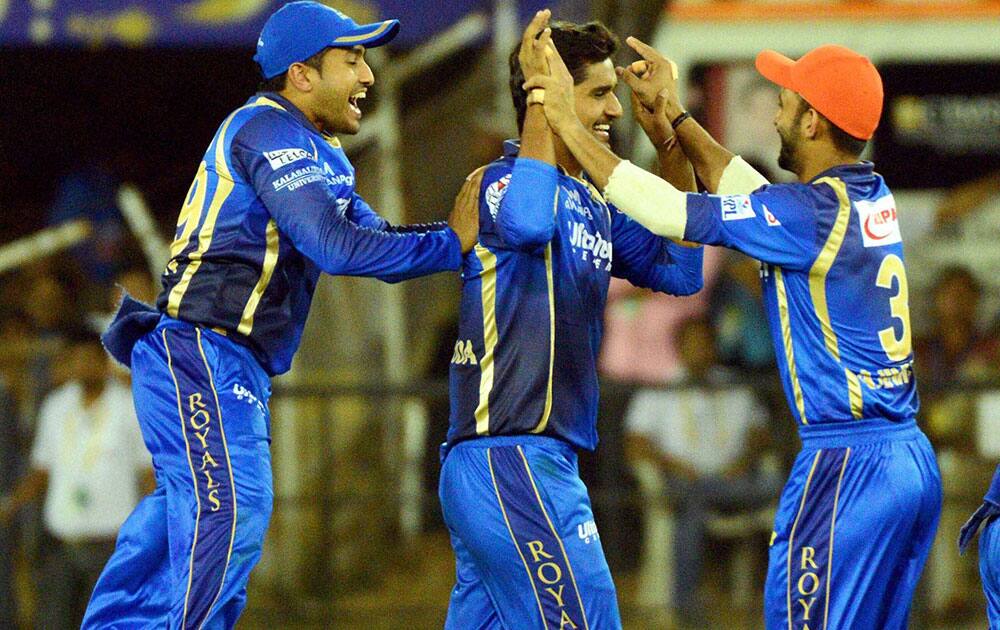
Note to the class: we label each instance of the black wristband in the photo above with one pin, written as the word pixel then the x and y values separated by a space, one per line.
pixel 676 122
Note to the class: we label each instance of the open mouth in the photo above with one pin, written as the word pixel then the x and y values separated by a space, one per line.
pixel 603 131
pixel 353 103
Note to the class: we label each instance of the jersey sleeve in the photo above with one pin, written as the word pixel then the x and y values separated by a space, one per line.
pixel 311 209
pixel 362 214
pixel 525 216
pixel 650 261
pixel 776 224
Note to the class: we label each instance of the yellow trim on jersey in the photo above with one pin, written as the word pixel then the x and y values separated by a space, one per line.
pixel 194 478
pixel 488 281
pixel 791 536
pixel 558 538
pixel 350 39
pixel 786 338
pixel 232 482
pixel 854 394
pixel 550 283
pixel 820 268
pixel 223 188
pixel 817 286
pixel 266 271
pixel 833 521
pixel 190 215
pixel 496 488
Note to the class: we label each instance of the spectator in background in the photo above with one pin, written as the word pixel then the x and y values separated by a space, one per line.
pixel 952 354
pixel 89 461
pixel 640 328
pixel 10 465
pixel 737 313
pixel 707 435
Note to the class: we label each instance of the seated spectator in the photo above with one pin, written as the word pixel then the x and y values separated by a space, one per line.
pixel 707 436
pixel 89 461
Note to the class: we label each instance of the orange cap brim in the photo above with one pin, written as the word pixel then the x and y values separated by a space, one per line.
pixel 775 67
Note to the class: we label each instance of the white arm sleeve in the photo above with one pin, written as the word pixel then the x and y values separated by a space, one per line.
pixel 739 178
pixel 653 202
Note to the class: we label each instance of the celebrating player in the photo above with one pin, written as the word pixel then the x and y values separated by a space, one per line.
pixel 272 205
pixel 857 516
pixel 523 375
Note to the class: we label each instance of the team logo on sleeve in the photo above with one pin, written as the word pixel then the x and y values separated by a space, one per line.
pixel 284 157
pixel 736 207
pixel 772 221
pixel 879 221
pixel 495 193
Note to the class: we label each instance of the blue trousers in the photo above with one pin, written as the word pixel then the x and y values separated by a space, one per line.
pixel 853 528
pixel 989 569
pixel 527 552
pixel 184 555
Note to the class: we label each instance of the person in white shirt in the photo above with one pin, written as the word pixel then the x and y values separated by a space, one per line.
pixel 706 435
pixel 89 461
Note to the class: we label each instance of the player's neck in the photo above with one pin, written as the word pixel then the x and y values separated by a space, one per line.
pixel 566 161
pixel 300 101
pixel 819 162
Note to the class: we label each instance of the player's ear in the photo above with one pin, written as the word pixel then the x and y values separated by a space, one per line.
pixel 810 123
pixel 298 76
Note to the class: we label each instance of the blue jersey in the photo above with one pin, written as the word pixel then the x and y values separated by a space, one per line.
pixel 835 289
pixel 533 301
pixel 272 205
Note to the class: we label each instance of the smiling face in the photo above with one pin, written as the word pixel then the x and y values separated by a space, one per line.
pixel 596 104
pixel 337 89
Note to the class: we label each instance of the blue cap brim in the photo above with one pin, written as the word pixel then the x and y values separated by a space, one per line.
pixel 369 35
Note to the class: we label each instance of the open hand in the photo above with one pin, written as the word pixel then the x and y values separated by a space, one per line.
pixel 535 41
pixel 464 217
pixel 557 92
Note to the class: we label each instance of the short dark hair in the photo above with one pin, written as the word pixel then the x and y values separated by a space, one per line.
pixel 843 141
pixel 579 45
pixel 279 82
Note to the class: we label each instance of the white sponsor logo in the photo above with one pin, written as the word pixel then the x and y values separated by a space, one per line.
pixel 242 393
pixel 879 221
pixel 284 157
pixel 298 178
pixel 495 193
pixel 571 200
pixel 772 220
pixel 587 532
pixel 736 207
pixel 336 178
pixel 594 248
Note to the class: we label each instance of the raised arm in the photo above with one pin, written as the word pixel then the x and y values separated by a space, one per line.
pixel 314 214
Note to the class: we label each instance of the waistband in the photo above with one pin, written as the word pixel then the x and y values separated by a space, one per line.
pixel 544 441
pixel 220 340
pixel 857 433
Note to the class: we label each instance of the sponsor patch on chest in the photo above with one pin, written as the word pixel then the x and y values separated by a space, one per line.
pixel 284 157
pixel 879 221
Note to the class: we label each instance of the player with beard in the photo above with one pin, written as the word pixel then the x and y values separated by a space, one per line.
pixel 858 514
pixel 272 206
pixel 523 376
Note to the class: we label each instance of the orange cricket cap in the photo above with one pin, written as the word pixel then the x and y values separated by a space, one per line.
pixel 836 81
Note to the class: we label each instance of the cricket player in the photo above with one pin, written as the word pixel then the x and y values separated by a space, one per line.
pixel 523 376
pixel 985 519
pixel 273 205
pixel 858 514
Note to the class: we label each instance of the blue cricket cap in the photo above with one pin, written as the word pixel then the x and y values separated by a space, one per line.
pixel 301 29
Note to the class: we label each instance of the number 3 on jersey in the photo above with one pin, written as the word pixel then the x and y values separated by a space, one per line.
pixel 897 348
